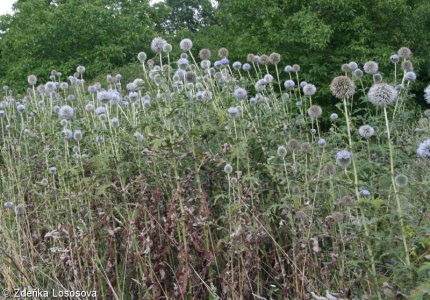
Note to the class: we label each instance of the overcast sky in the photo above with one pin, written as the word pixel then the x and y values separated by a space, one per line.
pixel 6 6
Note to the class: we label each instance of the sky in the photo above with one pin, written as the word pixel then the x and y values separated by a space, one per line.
pixel 6 6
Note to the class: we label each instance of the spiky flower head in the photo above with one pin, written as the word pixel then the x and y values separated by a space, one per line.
pixel 205 54
pixel 334 116
pixel 370 67
pixel 264 59
pixel 293 144
pixel 240 94
pixel 141 57
pixel 423 150
pixel 167 48
pixel 315 111
pixel 237 65
pixel 186 45
pixel 282 151
pixel 233 112
pixel 382 94
pixel 223 52
pixel 366 131
pixel 21 107
pixel 114 122
pixel 306 147
pixel 66 112
pixel 353 66
pixel 68 134
pixel 8 204
pixel 309 89
pixel 256 59
pixel 289 84
pixel 404 52
pixel 345 68
pixel 296 68
pixel 228 168
pixel 250 57
pixel 377 78
pixel 343 158
pixel 190 76
pixel 224 61
pixel 260 85
pixel 342 87
pixel 394 58
pixel 347 201
pixel 275 58
pixel 322 142
pixel 410 76
pixel 157 44
pixel 77 135
pixel 401 180
pixel 358 73
pixel 246 67
pixel 32 79
pixel 407 65
pixel 288 69
pixel 364 194
pixel 427 113
pixel 80 69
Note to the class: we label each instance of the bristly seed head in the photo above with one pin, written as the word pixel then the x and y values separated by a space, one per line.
pixel 342 87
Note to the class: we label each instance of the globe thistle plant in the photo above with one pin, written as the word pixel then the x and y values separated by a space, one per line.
pixel 342 87
pixel 401 180
pixel 309 89
pixel 395 58
pixel 233 112
pixel 343 158
pixel 66 112
pixel 157 44
pixel 423 150
pixel 370 67
pixel 315 111
pixel 282 151
pixel 240 94
pixel 382 94
pixel 223 52
pixel 404 52
pixel 205 54
pixel 366 131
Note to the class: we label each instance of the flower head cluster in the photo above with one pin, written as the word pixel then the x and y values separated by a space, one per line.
pixel 342 87
pixel 382 94
pixel 309 89
pixel 343 158
pixel 66 112
pixel 157 44
pixel 315 111
pixel 366 131
pixel 186 45
pixel 424 150
pixel 370 67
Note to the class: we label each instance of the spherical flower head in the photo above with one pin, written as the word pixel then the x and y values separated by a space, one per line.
pixel 347 201
pixel 223 52
pixel 50 86
pixel 100 139
pixel 2 114
pixel 275 58
pixel 330 169
pixel 100 110
pixel 303 83
pixel 299 104
pixel 190 77
pixel 66 112
pixel 293 145
pixel 370 67
pixel 404 52
pixel 256 59
pixel 342 87
pixel 8 205
pixel 80 69
pixel 288 69
pixel 141 57
pixel 246 67
pixel 345 68
pixel 250 57
pixel 52 170
pixel 228 169
pixel 410 76
pixel 205 64
pixel 358 73
pixel 167 48
pixel 205 54
pixel 289 84
pixel 285 96
pixel 268 78
pixel 343 158
pixel 353 66
pixel 264 59
pixel 224 61
pixel 237 65
pixel 322 142
pixel 315 111
pixel 64 86
pixel 21 108
pixel 423 150
pixel 366 131
pixel 114 122
pixel 334 117
pixel 382 94
pixel 240 94
pixel 364 194
pixel 77 135
pixel 186 45
pixel 68 134
pixel 407 65
pixel 32 80
pixel 401 180
pixel 233 112
pixel 426 113
pixel 394 58
pixel 71 97
pixel 139 136
pixel 157 44
pixel 309 89
pixel 296 68
pixel 282 151
pixel 377 78
pixel 306 147
pixel 19 210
